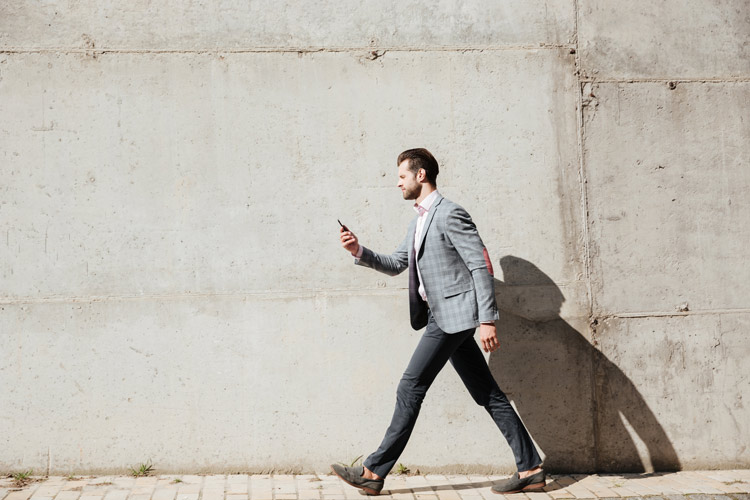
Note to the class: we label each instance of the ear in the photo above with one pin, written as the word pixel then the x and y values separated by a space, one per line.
pixel 421 174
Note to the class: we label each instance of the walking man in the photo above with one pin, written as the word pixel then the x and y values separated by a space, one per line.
pixel 451 292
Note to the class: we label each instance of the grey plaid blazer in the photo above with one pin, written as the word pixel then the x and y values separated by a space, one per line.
pixel 460 289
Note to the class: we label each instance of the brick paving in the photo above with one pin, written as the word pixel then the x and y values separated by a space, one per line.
pixel 692 485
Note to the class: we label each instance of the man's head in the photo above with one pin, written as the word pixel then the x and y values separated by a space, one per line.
pixel 415 168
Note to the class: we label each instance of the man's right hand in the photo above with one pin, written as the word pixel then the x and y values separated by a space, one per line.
pixel 349 241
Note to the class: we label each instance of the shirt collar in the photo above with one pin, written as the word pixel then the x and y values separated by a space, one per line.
pixel 424 207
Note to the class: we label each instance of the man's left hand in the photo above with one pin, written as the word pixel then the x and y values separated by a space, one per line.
pixel 488 337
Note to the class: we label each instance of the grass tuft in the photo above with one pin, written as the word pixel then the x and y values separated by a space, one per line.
pixel 20 479
pixel 402 470
pixel 142 470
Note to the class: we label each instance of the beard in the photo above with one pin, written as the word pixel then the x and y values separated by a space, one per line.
pixel 413 193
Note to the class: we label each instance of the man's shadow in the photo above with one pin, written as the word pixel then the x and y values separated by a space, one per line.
pixel 572 399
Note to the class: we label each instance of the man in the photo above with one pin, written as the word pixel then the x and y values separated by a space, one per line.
pixel 451 292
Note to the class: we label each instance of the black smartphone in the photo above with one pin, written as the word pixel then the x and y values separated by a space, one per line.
pixel 345 228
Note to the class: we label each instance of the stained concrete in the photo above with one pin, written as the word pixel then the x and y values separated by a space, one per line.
pixel 665 40
pixel 166 174
pixel 174 266
pixel 171 285
pixel 212 383
pixel 239 25
pixel 687 377
pixel 667 175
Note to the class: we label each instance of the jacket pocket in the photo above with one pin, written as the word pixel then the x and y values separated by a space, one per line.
pixel 457 288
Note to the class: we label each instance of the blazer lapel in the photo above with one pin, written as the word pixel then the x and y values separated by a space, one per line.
pixel 410 237
pixel 428 221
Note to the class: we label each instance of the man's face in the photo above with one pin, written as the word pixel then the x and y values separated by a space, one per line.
pixel 408 182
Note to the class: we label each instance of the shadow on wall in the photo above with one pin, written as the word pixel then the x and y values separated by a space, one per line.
pixel 574 401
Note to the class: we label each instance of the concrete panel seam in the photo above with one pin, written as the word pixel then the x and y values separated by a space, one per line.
pixel 596 320
pixel 729 79
pixel 660 314
pixel 220 50
pixel 583 193
pixel 582 179
pixel 269 295
pixel 265 294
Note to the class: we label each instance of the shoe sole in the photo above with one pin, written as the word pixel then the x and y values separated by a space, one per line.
pixel 530 487
pixel 367 490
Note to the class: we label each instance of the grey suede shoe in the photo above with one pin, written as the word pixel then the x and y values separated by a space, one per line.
pixel 353 477
pixel 515 484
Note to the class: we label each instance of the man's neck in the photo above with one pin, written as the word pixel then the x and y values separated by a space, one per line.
pixel 427 190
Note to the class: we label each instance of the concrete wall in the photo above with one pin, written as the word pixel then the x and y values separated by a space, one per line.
pixel 171 283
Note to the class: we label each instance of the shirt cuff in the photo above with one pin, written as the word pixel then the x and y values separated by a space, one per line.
pixel 358 255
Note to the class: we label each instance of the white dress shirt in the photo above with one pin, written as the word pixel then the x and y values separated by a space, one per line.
pixel 422 209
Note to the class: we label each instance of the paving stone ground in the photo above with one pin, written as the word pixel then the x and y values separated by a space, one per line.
pixel 692 485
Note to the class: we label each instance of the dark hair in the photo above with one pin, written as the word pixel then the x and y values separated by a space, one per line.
pixel 421 158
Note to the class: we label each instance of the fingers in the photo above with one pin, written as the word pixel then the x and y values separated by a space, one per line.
pixel 348 240
pixel 490 344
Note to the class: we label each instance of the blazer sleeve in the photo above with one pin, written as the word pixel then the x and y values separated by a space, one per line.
pixel 464 236
pixel 388 264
